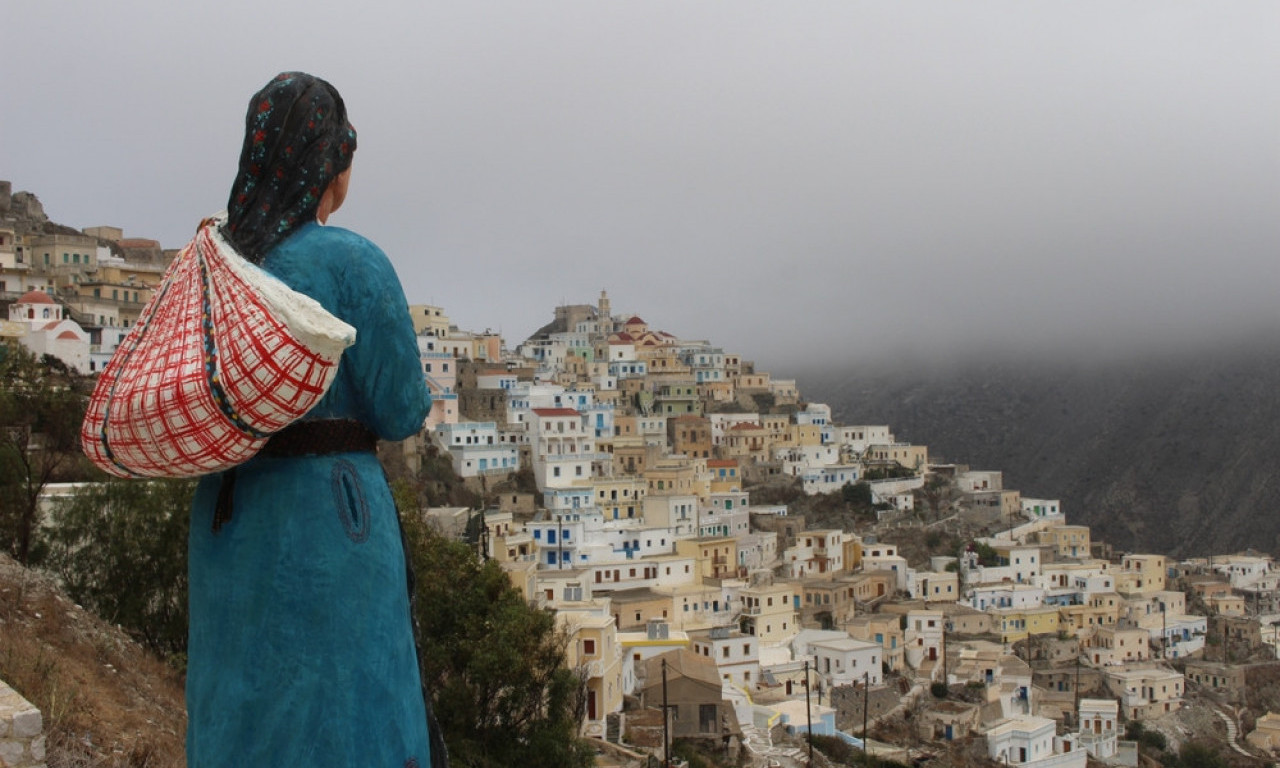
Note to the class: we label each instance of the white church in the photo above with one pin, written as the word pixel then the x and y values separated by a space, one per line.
pixel 45 331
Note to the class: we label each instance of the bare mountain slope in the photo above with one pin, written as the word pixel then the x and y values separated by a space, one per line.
pixel 106 701
pixel 1179 455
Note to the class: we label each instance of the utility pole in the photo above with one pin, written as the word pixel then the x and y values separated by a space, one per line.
pixel 666 734
pixel 945 680
pixel 807 715
pixel 1077 685
pixel 1164 633
pixel 866 705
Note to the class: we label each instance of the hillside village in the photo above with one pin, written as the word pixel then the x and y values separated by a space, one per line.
pixel 658 494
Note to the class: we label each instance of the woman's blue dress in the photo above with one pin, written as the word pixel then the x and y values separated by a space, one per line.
pixel 301 646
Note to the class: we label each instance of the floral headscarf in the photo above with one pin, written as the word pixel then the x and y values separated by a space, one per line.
pixel 297 139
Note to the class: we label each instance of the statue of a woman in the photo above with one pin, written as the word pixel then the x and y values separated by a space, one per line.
pixel 301 644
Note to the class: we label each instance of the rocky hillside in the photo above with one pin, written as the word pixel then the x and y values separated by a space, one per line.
pixel 106 701
pixel 1174 454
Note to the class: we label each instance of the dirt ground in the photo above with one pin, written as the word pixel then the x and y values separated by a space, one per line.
pixel 107 702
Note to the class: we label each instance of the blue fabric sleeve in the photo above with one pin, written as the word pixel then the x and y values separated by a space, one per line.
pixel 390 387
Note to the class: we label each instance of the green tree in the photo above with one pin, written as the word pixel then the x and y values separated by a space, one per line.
pixel 121 549
pixel 987 557
pixel 938 494
pixel 42 405
pixel 1199 754
pixel 494 665
pixel 857 494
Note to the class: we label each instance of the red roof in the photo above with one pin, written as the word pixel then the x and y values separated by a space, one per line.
pixel 621 338
pixel 35 297
pixel 746 425
pixel 635 320
pixel 69 334
pixel 556 412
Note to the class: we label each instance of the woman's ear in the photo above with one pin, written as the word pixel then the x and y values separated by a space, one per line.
pixel 334 196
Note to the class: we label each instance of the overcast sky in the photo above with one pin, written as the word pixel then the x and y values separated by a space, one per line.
pixel 783 179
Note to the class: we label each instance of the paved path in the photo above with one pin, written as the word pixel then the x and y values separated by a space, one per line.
pixel 760 743
pixel 1232 731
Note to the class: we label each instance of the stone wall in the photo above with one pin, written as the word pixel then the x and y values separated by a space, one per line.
pixel 6 194
pixel 21 731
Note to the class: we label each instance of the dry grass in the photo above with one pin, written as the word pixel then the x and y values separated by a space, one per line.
pixel 107 703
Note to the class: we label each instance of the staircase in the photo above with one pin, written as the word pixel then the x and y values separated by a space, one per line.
pixel 759 744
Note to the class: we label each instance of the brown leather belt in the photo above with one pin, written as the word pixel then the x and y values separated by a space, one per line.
pixel 320 436
pixel 301 438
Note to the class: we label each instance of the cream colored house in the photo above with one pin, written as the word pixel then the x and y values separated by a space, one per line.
pixel 1226 605
pixel 770 610
pixel 594 649
pixel 934 586
pixel 1110 646
pixel 736 656
pixel 1266 733
pixel 1145 692
pixel 882 628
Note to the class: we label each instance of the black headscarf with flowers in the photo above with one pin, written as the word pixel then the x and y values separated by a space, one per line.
pixel 296 140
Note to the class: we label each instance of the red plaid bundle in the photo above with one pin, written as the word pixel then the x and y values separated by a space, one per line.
pixel 223 355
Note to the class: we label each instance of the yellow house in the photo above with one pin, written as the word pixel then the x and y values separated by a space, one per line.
pixel 805 434
pixel 852 552
pixel 1226 605
pixel 914 457
pixel 630 455
pixel 1015 624
pixel 716 391
pixel 1102 610
pixel 753 382
pixel 633 609
pixel 726 475
pixel 716 557
pixel 620 497
pixel 672 475
pixel 1141 574
pixel 690 434
pixel 523 576
pixel 775 425
pixel 1067 540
